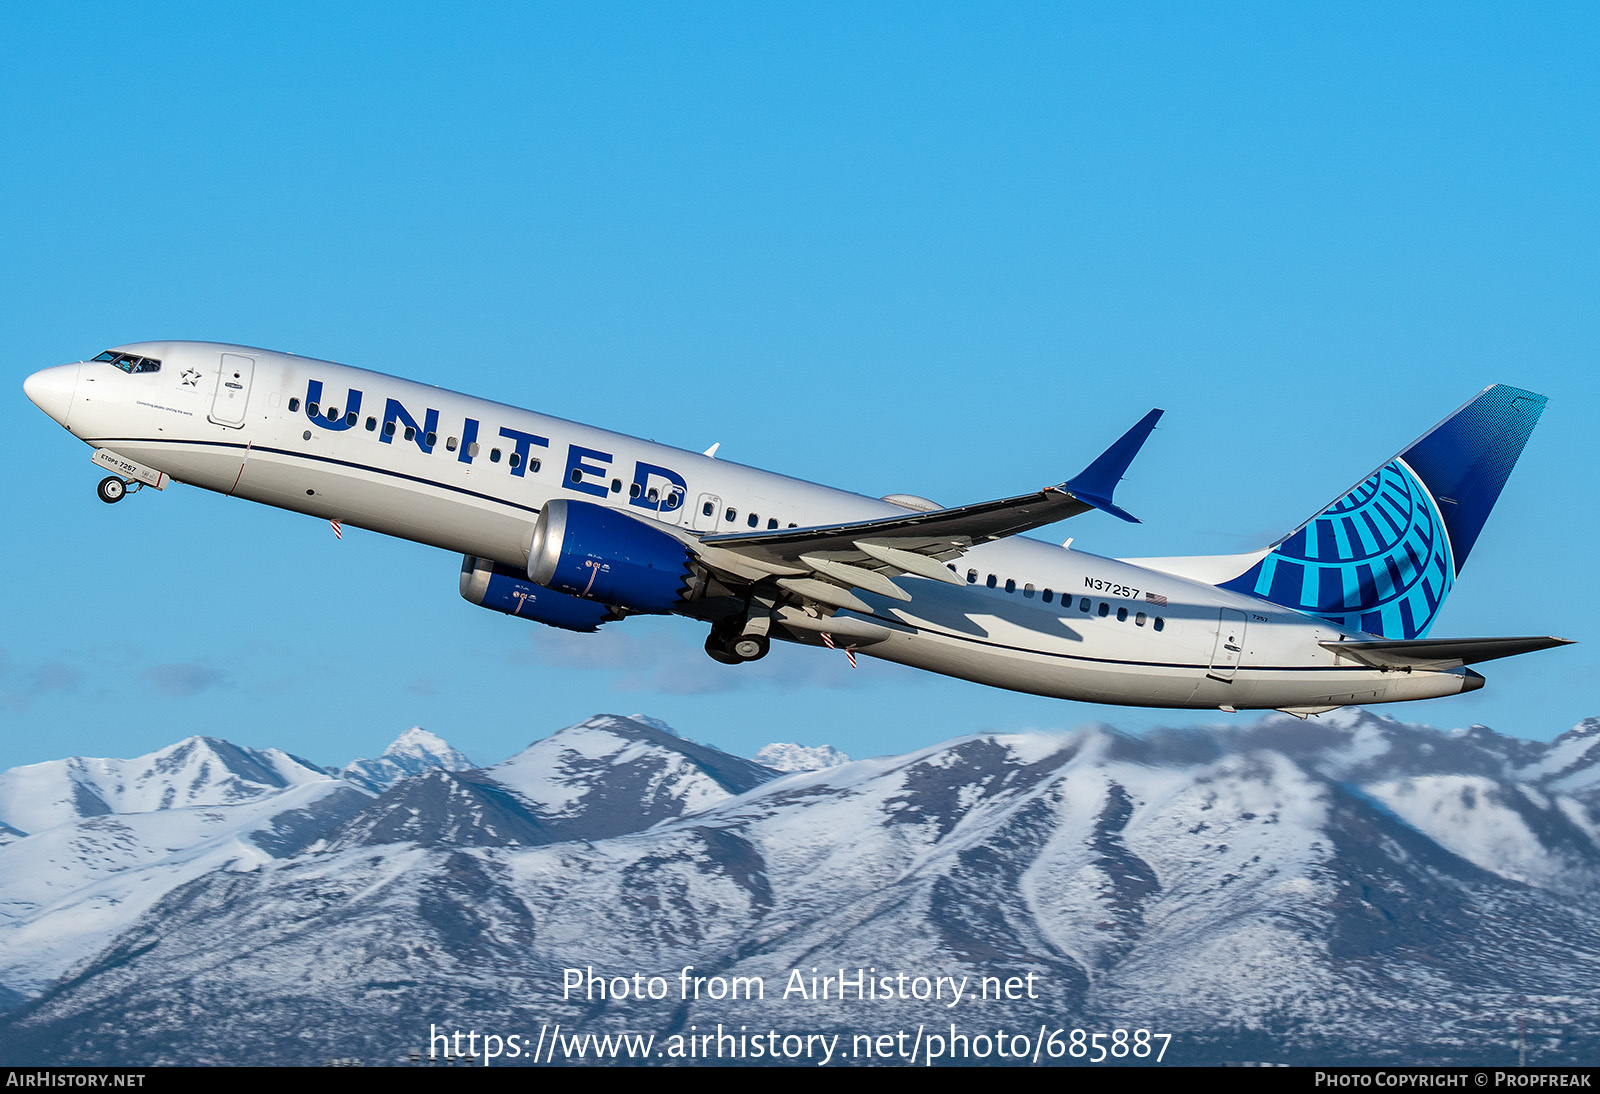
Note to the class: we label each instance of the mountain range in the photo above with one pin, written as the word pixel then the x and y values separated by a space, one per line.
pixel 1349 889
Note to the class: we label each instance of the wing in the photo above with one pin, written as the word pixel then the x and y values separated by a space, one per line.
pixel 822 564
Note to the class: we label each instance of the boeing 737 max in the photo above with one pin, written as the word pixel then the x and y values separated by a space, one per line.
pixel 573 526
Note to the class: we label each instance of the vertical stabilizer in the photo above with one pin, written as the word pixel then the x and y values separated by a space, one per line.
pixel 1384 556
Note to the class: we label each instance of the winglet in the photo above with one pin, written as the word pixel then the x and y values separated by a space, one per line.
pixel 1095 484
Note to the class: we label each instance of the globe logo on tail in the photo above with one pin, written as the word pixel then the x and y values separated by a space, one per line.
pixel 1377 560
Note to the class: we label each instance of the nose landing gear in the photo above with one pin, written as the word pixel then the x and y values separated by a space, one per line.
pixel 130 476
pixel 113 489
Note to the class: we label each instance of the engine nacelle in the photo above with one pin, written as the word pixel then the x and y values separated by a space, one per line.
pixel 602 555
pixel 508 590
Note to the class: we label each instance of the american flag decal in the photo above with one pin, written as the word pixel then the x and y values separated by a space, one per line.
pixel 337 534
pixel 1157 599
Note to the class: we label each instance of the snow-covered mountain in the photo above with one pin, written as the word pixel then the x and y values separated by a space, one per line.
pixel 789 757
pixel 194 772
pixel 412 753
pixel 90 845
pixel 1354 890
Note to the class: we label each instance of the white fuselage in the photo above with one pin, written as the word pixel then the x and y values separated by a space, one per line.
pixel 474 474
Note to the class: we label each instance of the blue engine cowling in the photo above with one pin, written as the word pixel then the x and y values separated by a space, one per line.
pixel 508 590
pixel 602 555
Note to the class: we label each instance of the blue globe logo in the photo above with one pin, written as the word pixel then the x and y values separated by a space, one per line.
pixel 1377 560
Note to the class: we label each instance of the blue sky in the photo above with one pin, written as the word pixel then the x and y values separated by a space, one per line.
pixel 939 249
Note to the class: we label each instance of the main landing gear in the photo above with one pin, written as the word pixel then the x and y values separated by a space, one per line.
pixel 738 643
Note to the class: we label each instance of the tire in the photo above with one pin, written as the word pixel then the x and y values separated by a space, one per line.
pixel 749 647
pixel 111 489
pixel 718 653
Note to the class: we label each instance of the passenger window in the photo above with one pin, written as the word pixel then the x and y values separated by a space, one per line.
pixel 1049 595
pixel 515 460
pixel 752 520
pixel 450 445
pixel 1138 620
pixel 1027 591
pixel 431 438
pixel 388 429
pixel 772 522
pixel 653 496
pixel 372 423
pixel 673 499
pixel 312 409
pixel 1083 605
pixel 534 465
pixel 494 455
pixel 616 486
pixel 1011 585
pixel 1105 609
pixel 1122 615
pixel 577 474
pixel 635 490
pixel 1161 624
pixel 294 405
pixel 731 514
pixel 705 510
pixel 411 434
pixel 972 577
pixel 333 414
pixel 991 581
pixel 472 450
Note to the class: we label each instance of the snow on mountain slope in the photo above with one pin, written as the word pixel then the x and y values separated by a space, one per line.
pixel 196 771
pixel 91 843
pixel 69 890
pixel 609 775
pixel 1265 893
pixel 412 753
pixel 789 757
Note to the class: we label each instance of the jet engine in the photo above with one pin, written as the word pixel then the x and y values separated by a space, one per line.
pixel 602 555
pixel 506 589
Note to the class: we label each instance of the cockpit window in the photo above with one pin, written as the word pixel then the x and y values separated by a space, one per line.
pixel 129 362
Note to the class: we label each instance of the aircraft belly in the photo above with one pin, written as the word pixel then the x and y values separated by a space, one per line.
pixel 362 499
pixel 1040 673
pixel 214 468
pixel 1088 671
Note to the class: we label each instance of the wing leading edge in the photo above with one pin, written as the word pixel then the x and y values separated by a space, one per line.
pixel 821 563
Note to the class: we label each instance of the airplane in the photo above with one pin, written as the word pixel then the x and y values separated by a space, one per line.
pixel 575 527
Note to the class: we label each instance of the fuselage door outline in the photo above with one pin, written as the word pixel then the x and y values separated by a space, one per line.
pixel 232 394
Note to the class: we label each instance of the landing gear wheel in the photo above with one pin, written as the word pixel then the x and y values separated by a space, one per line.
pixel 749 647
pixel 718 652
pixel 111 489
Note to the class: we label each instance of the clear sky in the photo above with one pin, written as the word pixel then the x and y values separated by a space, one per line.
pixel 950 250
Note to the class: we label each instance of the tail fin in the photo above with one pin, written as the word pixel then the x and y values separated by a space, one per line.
pixel 1383 557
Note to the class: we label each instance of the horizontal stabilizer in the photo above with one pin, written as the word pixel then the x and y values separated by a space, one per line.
pixel 1440 653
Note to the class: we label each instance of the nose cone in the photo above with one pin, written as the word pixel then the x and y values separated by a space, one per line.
pixel 52 389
